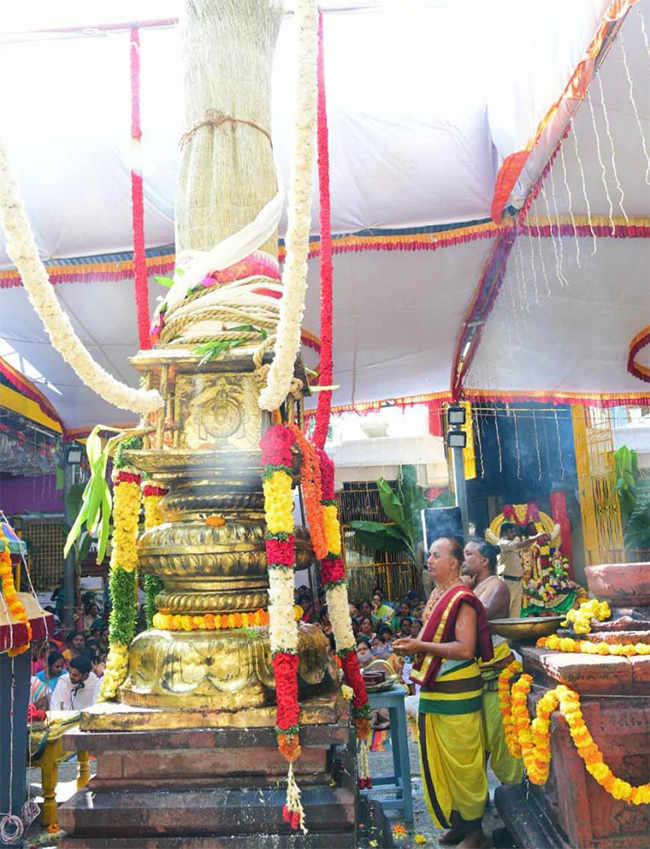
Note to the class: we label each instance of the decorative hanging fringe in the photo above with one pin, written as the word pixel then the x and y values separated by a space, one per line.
pixel 137 199
pixel 293 812
pixel 365 781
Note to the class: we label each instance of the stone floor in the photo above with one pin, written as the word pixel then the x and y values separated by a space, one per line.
pixel 421 832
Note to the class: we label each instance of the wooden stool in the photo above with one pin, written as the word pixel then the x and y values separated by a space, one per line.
pixel 52 755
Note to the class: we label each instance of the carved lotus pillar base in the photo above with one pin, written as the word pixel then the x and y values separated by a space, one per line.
pixel 225 670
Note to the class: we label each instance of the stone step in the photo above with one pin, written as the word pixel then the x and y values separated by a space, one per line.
pixel 319 736
pixel 201 812
pixel 322 840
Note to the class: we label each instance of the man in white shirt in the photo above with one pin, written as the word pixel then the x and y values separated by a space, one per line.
pixel 509 566
pixel 77 690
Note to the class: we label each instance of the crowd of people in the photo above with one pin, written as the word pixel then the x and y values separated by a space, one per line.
pixel 66 671
pixel 376 624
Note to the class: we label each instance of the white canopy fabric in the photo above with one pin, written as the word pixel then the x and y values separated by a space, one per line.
pixel 425 101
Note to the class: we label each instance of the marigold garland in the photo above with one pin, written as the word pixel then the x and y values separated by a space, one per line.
pixel 310 478
pixel 566 644
pixel 123 568
pixel 15 605
pixel 210 621
pixel 533 739
pixel 503 685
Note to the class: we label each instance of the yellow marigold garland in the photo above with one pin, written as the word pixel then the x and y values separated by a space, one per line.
pixel 15 605
pixel 123 576
pixel 210 621
pixel 152 514
pixel 278 503
pixel 126 513
pixel 566 644
pixel 533 739
pixel 332 529
pixel 504 701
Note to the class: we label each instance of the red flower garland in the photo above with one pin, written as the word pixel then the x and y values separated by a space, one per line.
pixel 326 475
pixel 332 571
pixel 276 447
pixel 280 552
pixel 126 477
pixel 150 490
pixel 137 201
pixel 325 397
pixel 285 667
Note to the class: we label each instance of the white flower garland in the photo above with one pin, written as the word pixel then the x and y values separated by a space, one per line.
pixel 24 254
pixel 338 607
pixel 283 629
pixel 292 305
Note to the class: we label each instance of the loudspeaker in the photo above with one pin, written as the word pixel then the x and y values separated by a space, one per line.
pixel 441 522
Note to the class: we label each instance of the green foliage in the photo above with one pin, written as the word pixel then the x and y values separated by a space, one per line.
pixel 152 586
pixel 379 536
pixel 93 508
pixel 403 508
pixel 124 614
pixel 634 499
pixel 627 473
pixel 167 282
pixel 214 349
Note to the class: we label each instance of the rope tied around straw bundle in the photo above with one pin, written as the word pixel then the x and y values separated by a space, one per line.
pixel 216 118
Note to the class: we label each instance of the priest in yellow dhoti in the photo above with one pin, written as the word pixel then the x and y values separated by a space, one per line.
pixel 480 568
pixel 452 746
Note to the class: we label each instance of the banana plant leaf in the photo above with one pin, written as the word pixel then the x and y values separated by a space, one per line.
pixel 380 537
pixel 392 505
pixel 413 499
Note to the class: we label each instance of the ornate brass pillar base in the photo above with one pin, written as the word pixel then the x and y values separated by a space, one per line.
pixel 220 670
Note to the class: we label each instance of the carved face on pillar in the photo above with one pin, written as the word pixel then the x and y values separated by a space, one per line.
pixel 218 411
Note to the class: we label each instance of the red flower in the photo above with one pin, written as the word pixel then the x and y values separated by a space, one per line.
pixel 148 489
pixel 326 475
pixel 354 679
pixel 285 667
pixel 276 446
pixel 126 477
pixel 332 570
pixel 280 551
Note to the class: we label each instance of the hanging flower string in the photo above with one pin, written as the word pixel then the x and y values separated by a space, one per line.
pixel 532 740
pixel 137 199
pixel 338 606
pixel 22 250
pixel 326 375
pixel 310 476
pixel 16 607
pixel 292 305
pixel 123 568
pixel 276 461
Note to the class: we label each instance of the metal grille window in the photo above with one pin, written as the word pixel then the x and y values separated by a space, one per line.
pixel 45 539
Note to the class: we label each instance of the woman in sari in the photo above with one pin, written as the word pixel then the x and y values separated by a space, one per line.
pixel 452 747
